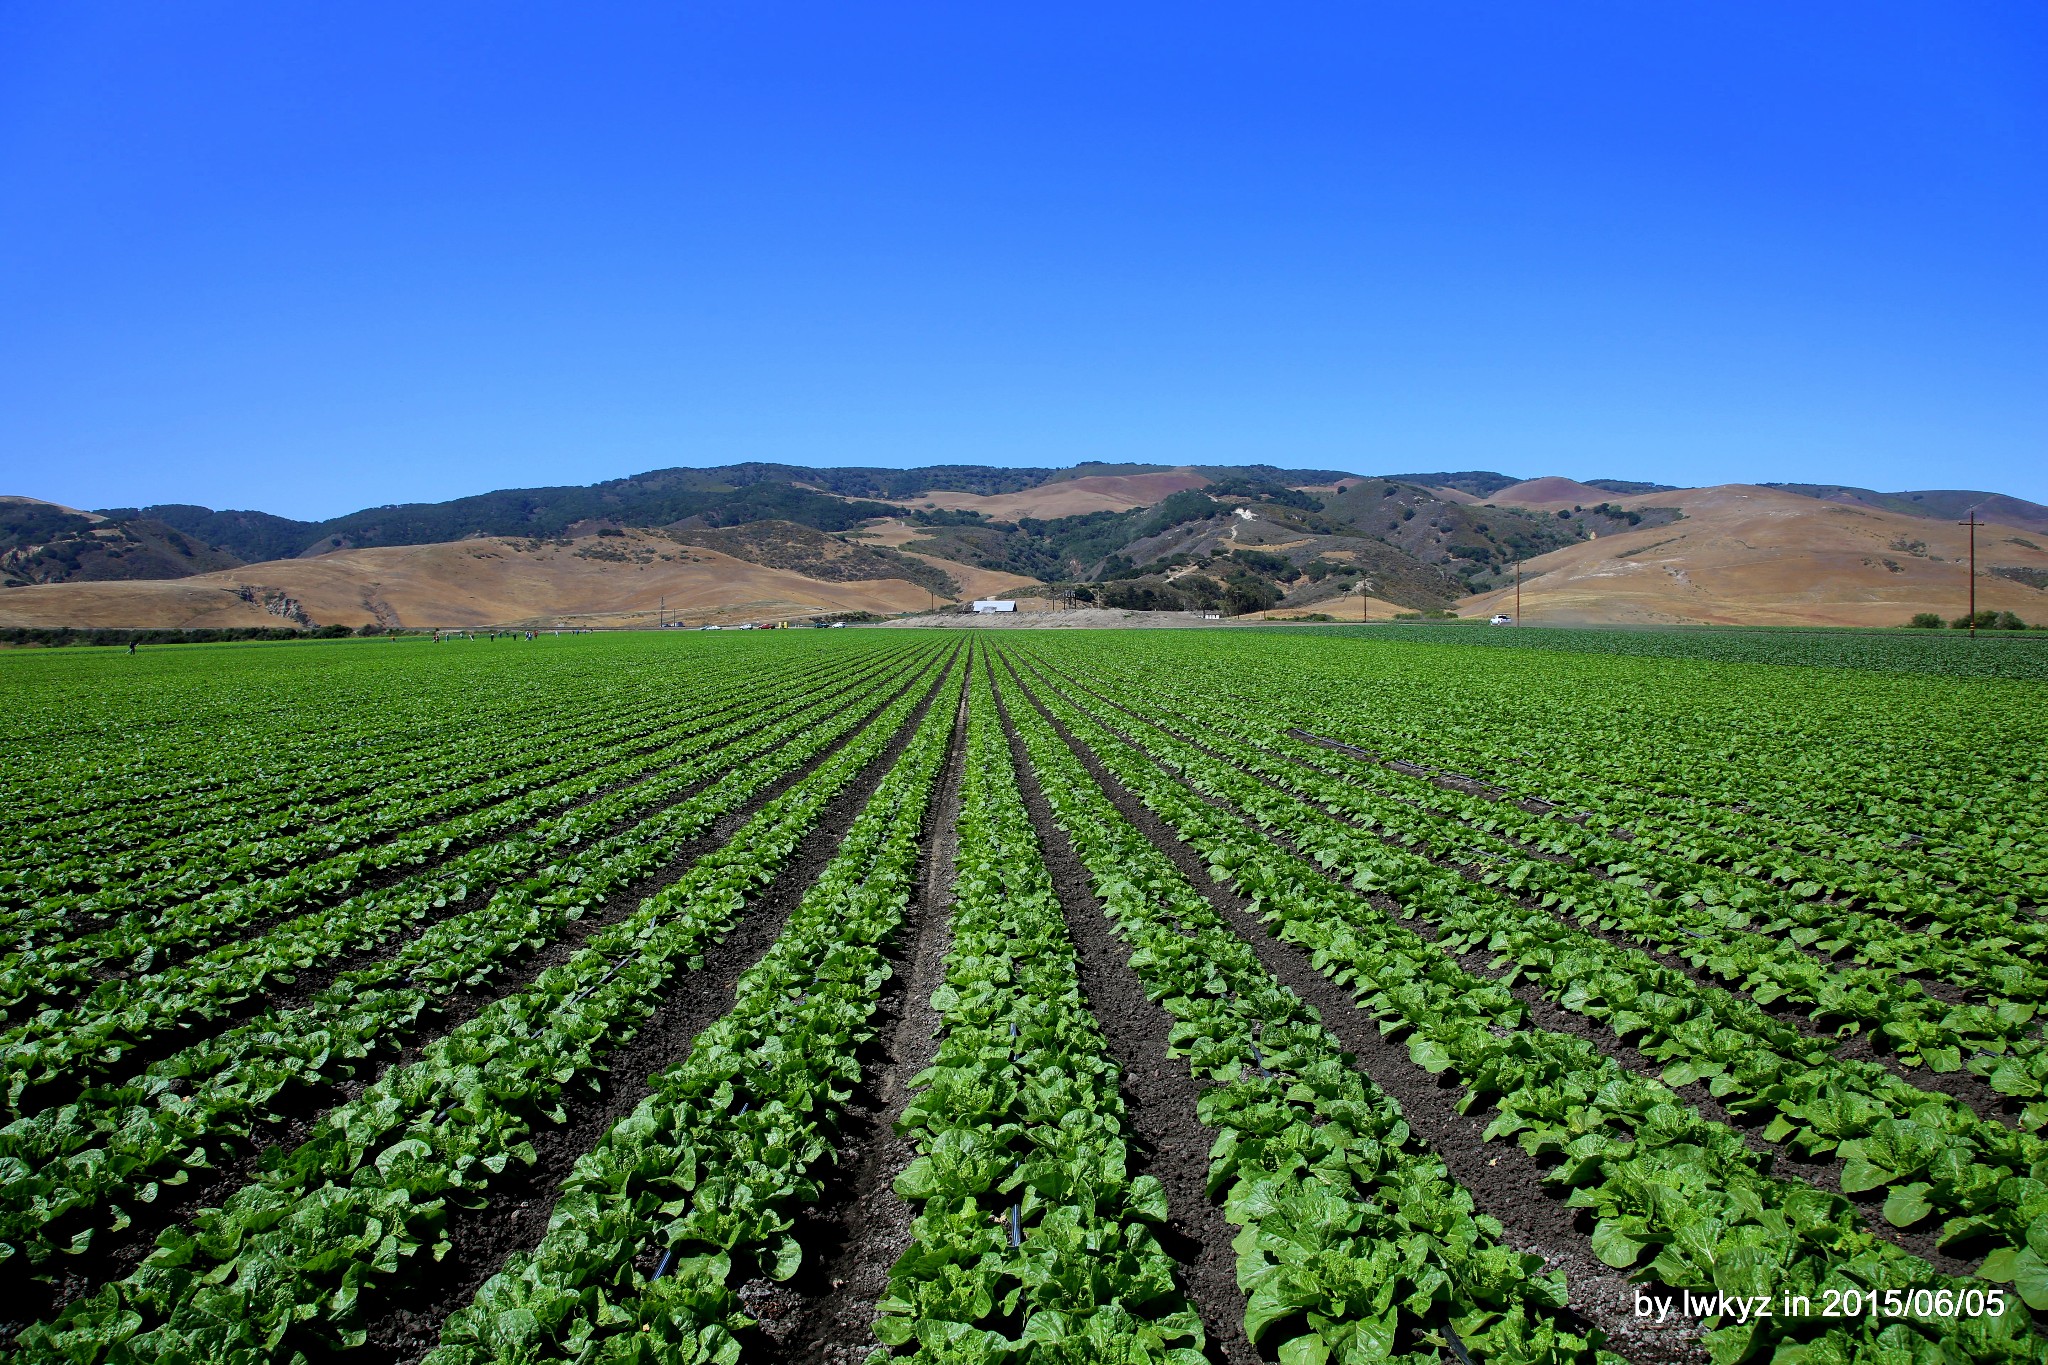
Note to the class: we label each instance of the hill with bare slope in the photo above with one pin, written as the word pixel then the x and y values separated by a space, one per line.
pixel 1951 504
pixel 1072 497
pixel 610 580
pixel 1548 494
pixel 1749 555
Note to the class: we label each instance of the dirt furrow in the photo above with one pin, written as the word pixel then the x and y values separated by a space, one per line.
pixel 296 1112
pixel 279 994
pixel 1970 1089
pixel 1504 1180
pixel 311 981
pixel 405 1321
pixel 857 1229
pixel 1543 1014
pixel 1159 1092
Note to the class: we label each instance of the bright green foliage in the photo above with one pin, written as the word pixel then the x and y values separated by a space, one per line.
pixel 1352 1230
pixel 1799 875
pixel 1935 1153
pixel 287 1256
pixel 1026 1207
pixel 710 1167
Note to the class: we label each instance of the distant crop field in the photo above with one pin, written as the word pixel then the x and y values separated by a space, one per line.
pixel 1061 996
pixel 2018 655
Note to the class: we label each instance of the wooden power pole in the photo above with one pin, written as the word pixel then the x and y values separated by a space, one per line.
pixel 1973 524
pixel 1518 594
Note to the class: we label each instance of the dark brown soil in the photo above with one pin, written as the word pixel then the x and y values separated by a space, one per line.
pixel 1545 1014
pixel 115 1255
pixel 855 1232
pixel 405 1317
pixel 1159 1092
pixel 1970 1089
pixel 1504 1181
pixel 623 747
pixel 280 993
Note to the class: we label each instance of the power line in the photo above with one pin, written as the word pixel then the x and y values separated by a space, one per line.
pixel 1973 524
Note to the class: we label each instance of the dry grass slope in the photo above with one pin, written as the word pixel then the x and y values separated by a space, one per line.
pixel 1746 555
pixel 1072 497
pixel 595 581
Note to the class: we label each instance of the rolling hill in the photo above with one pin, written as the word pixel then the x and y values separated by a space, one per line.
pixel 1751 555
pixel 779 541
pixel 625 579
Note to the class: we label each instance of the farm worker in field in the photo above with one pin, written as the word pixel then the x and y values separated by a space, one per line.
pixel 131 646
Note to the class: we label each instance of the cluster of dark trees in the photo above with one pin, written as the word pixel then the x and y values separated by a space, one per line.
pixel 1983 620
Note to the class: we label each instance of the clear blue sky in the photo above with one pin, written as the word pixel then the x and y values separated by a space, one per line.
pixel 309 258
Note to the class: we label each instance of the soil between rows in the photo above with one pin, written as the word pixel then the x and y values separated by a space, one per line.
pixel 1549 1016
pixel 1504 1180
pixel 311 983
pixel 627 747
pixel 1159 1092
pixel 115 1255
pixel 1970 1089
pixel 307 982
pixel 278 993
pixel 635 745
pixel 859 1226
pixel 405 1320
pixel 1553 1018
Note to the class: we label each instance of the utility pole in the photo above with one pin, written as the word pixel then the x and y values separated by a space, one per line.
pixel 1518 594
pixel 661 617
pixel 1973 524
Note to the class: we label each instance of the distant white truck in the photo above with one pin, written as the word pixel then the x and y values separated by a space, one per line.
pixel 987 604
pixel 1502 620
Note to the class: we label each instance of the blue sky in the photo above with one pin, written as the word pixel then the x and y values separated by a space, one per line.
pixel 307 259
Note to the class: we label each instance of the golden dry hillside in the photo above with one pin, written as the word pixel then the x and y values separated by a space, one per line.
pixel 595 581
pixel 1072 497
pixel 1549 493
pixel 1746 555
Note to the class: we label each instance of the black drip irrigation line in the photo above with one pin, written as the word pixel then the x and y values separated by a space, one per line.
pixel 669 1254
pixel 1457 1346
pixel 617 967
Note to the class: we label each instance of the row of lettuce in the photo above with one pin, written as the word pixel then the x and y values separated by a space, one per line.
pixel 1033 1239
pixel 135 929
pixel 76 1169
pixel 1680 1197
pixel 288 1261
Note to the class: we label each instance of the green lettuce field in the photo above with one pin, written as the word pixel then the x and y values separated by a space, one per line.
pixel 1300 995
